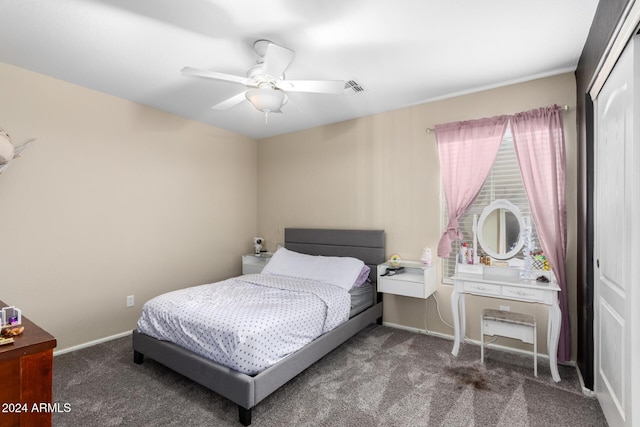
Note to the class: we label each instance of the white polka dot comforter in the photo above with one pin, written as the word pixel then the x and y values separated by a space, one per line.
pixel 246 323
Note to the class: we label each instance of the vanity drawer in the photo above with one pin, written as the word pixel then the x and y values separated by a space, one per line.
pixel 482 288
pixel 523 293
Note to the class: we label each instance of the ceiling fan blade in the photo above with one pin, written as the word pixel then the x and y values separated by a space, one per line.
pixel 230 102
pixel 314 86
pixel 189 71
pixel 276 60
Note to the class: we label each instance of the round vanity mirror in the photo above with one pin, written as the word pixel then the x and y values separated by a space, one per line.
pixel 500 229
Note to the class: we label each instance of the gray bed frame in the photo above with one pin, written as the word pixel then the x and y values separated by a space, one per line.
pixel 246 390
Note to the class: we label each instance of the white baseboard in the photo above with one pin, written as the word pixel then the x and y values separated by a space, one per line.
pixel 418 331
pixel 467 340
pixel 91 343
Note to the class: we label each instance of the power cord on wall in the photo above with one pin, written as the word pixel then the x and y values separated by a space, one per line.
pixel 439 313
pixel 444 321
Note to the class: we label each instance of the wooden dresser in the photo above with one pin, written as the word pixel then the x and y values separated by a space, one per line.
pixel 26 369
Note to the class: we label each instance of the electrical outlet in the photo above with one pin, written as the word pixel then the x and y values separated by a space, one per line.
pixel 505 308
pixel 130 301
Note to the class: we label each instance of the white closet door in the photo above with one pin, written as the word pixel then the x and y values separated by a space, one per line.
pixel 617 244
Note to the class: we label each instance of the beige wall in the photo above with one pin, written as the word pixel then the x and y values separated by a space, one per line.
pixel 382 172
pixel 114 199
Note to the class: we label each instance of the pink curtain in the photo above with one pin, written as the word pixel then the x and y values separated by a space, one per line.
pixel 467 151
pixel 539 141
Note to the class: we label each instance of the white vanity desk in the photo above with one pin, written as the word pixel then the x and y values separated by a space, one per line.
pixel 501 232
pixel 518 290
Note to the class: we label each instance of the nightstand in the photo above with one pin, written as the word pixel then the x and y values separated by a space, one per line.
pixel 252 264
pixel 416 280
pixel 26 377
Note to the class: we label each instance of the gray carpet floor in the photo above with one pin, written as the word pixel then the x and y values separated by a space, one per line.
pixel 381 377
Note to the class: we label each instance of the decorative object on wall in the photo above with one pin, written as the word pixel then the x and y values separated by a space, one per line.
pixel 7 150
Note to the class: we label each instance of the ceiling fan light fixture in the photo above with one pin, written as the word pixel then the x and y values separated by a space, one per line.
pixel 266 100
pixel 268 88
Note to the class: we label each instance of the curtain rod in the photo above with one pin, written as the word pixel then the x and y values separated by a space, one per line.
pixel 565 108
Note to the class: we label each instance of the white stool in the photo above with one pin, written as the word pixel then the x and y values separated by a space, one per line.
pixel 509 324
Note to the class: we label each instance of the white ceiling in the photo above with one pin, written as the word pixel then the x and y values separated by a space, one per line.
pixel 403 52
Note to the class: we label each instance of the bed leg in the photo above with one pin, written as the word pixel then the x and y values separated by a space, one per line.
pixel 379 321
pixel 244 415
pixel 138 357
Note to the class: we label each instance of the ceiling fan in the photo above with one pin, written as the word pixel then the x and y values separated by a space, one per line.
pixel 266 81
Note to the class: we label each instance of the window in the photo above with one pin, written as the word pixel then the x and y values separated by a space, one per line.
pixel 504 182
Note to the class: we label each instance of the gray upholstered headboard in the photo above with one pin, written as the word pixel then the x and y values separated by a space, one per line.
pixel 367 245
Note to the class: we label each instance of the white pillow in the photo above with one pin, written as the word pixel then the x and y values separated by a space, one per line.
pixel 338 271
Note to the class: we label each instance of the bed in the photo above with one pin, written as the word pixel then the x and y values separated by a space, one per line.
pixel 247 390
